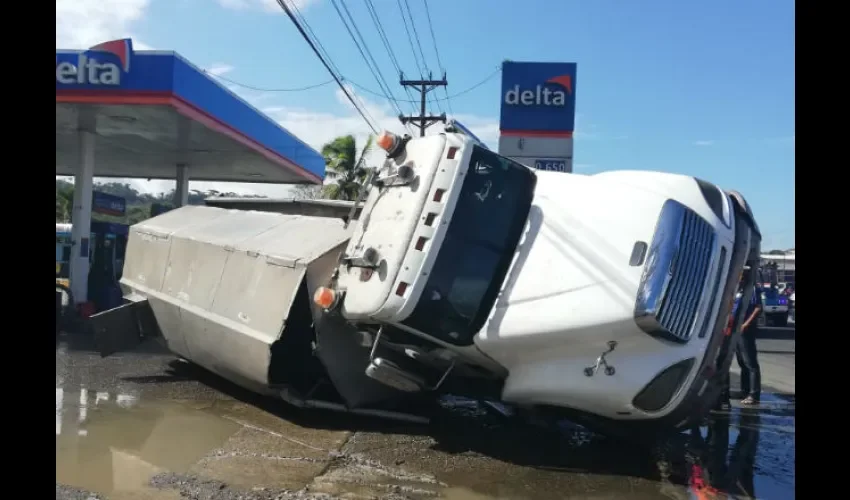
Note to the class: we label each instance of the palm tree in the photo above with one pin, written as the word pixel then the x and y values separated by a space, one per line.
pixel 345 167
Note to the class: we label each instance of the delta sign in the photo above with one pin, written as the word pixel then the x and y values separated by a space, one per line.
pixel 538 99
pixel 104 65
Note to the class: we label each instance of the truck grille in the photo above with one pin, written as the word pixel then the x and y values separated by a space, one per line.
pixel 675 275
pixel 689 270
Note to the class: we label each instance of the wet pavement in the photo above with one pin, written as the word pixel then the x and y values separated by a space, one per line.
pixel 144 425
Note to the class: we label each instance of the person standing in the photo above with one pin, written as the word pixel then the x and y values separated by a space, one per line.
pixel 747 352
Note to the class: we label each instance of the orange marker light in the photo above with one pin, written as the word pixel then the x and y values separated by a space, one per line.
pixel 324 297
pixel 386 141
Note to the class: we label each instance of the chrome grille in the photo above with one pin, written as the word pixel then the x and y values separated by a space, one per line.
pixel 688 275
pixel 675 273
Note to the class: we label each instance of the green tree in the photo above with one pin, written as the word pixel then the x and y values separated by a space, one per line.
pixel 138 204
pixel 345 167
pixel 64 201
pixel 306 192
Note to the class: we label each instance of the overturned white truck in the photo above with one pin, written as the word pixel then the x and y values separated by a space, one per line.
pixel 600 298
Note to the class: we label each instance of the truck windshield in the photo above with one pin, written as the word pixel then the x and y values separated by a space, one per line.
pixel 480 242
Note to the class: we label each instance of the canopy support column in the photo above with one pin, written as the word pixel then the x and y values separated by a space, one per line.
pixel 181 190
pixel 81 214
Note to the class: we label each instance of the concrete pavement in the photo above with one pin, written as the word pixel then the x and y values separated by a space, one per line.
pixel 777 348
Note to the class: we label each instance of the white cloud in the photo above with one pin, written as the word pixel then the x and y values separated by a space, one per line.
pixel 83 23
pixel 703 143
pixel 219 69
pixel 583 167
pixel 263 5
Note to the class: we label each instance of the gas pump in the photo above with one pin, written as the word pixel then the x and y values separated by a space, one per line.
pixel 106 260
pixel 106 264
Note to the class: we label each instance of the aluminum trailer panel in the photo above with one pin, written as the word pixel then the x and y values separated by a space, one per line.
pixel 220 283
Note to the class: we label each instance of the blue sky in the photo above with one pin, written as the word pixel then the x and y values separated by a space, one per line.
pixel 699 88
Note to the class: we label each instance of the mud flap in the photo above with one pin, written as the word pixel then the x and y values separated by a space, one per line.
pixel 345 359
pixel 124 327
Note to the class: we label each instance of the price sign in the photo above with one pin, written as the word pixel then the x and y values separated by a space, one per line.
pixel 551 165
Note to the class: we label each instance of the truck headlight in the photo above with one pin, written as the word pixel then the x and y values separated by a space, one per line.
pixel 719 201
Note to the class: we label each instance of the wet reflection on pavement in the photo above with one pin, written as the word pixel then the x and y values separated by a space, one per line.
pixel 144 426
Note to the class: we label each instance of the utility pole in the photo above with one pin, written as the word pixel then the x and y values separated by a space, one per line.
pixel 424 120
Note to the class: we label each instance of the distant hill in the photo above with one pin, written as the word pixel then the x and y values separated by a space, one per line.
pixel 138 204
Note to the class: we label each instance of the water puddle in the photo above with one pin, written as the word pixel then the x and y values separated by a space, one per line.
pixel 108 442
pixel 114 444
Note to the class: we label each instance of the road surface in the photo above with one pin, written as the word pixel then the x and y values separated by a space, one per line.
pixel 144 425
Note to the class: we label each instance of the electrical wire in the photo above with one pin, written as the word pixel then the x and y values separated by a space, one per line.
pixel 376 20
pixel 326 54
pixel 410 39
pixel 363 48
pixel 428 96
pixel 312 45
pixel 416 35
pixel 361 87
pixel 309 29
pixel 261 89
pixel 453 96
pixel 437 52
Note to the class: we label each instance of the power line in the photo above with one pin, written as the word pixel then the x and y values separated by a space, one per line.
pixel 327 55
pixel 309 30
pixel 437 52
pixel 363 48
pixel 359 86
pixel 418 45
pixel 376 20
pixel 292 18
pixel 261 89
pixel 377 73
pixel 416 35
pixel 410 39
pixel 433 38
pixel 453 96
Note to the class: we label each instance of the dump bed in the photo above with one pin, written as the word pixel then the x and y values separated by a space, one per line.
pixel 220 283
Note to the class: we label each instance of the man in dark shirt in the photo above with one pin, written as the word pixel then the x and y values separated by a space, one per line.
pixel 747 352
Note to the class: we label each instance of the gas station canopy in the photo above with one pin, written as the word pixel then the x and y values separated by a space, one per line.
pixel 154 115
pixel 152 110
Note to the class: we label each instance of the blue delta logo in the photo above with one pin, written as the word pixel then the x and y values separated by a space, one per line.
pixel 89 68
